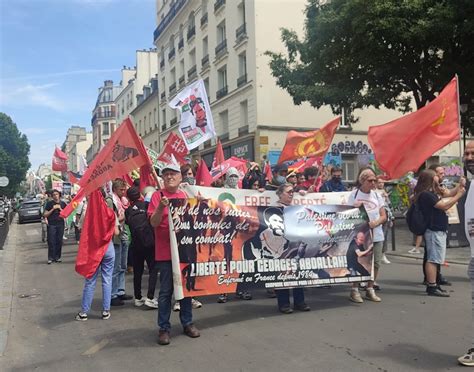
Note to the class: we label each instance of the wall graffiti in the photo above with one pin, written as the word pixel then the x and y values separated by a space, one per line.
pixel 399 195
pixel 350 147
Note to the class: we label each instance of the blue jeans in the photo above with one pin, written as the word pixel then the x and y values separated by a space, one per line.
pixel 120 267
pixel 435 246
pixel 55 241
pixel 164 299
pixel 283 297
pixel 106 267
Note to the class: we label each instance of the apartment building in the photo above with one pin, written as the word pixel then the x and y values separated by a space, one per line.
pixel 75 134
pixel 78 151
pixel 103 117
pixel 224 43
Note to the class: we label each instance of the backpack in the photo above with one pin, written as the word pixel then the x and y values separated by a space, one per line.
pixel 136 218
pixel 416 221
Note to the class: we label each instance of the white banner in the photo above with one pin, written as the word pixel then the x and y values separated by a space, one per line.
pixel 266 198
pixel 196 125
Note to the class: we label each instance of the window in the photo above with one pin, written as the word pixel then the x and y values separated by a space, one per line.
pixel 105 129
pixel 206 85
pixel 349 168
pixel 154 119
pixel 242 79
pixel 163 115
pixel 181 68
pixel 222 77
pixel 241 12
pixel 221 32
pixel 205 47
pixel 192 57
pixel 244 113
pixel 224 121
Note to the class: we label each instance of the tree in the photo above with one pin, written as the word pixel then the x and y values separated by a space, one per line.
pixel 360 53
pixel 14 150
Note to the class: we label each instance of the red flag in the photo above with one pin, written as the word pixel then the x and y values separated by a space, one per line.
pixel 174 145
pixel 126 177
pixel 123 152
pixel 146 179
pixel 237 163
pixel 402 145
pixel 97 232
pixel 219 155
pixel 59 160
pixel 268 172
pixel 203 177
pixel 74 177
pixel 73 204
pixel 313 143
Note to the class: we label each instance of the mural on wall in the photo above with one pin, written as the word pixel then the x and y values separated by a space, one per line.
pixel 350 147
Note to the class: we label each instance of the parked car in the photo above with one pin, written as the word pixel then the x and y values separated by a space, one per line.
pixel 30 211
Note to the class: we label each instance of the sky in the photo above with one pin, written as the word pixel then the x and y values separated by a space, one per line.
pixel 55 54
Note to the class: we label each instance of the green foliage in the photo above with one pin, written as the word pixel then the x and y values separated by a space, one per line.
pixel 14 150
pixel 360 53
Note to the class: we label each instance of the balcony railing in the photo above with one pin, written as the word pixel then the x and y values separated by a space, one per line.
pixel 173 121
pixel 191 32
pixel 205 61
pixel 181 44
pixel 204 19
pixel 162 64
pixel 241 32
pixel 221 48
pixel 218 5
pixel 163 96
pixel 172 88
pixel 181 81
pixel 192 72
pixel 241 80
pixel 163 127
pixel 221 92
pixel 171 54
pixel 175 8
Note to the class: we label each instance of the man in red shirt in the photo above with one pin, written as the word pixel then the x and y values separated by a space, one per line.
pixel 158 212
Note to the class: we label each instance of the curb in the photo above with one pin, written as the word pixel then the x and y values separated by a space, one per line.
pixel 415 257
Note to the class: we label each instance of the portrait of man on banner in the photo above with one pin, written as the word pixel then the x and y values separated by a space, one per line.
pixel 196 124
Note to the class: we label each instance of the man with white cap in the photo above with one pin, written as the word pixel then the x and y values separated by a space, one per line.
pixel 158 212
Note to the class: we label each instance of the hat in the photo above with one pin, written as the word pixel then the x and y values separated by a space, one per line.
pixel 232 171
pixel 133 193
pixel 173 167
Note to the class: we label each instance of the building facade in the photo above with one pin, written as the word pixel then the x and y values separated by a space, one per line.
pixel 78 151
pixel 224 43
pixel 74 135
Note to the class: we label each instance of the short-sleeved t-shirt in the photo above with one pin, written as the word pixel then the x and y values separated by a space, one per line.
pixel 54 218
pixel 162 234
pixel 352 258
pixel 372 202
pixel 437 218
pixel 469 215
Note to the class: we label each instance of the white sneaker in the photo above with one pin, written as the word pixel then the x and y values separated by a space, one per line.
pixel 385 260
pixel 151 303
pixel 196 304
pixel 370 295
pixel 355 296
pixel 177 306
pixel 140 301
pixel 414 251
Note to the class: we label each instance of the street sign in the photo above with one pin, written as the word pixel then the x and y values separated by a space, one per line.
pixel 4 181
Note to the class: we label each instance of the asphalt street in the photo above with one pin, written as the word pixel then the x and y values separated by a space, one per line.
pixel 407 331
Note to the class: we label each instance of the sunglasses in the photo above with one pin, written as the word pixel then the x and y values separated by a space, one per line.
pixel 290 191
pixel 372 180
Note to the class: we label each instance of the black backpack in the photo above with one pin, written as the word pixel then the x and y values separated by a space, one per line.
pixel 136 218
pixel 416 221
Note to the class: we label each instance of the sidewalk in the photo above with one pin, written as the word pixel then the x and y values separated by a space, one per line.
pixel 404 242
pixel 7 274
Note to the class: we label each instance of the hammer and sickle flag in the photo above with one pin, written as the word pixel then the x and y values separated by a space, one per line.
pixel 306 144
pixel 402 145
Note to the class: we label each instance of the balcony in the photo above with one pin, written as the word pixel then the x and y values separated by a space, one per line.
pixel 175 8
pixel 241 80
pixel 163 96
pixel 173 121
pixel 172 88
pixel 103 115
pixel 181 44
pixel 181 81
pixel 241 33
pixel 163 127
pixel 205 61
pixel 162 64
pixel 218 5
pixel 221 49
pixel 192 72
pixel 204 19
pixel 221 92
pixel 191 32
pixel 171 54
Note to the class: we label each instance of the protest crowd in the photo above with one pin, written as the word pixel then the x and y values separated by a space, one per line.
pixel 164 218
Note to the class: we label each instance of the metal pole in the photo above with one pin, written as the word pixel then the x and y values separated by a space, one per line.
pixel 393 236
pixel 459 119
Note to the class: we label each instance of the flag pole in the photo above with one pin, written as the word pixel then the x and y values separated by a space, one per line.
pixel 459 118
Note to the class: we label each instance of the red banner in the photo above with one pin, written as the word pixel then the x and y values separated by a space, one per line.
pixel 123 152
pixel 174 145
pixel 59 162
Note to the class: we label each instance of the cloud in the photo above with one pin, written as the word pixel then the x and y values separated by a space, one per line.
pixel 31 95
pixel 61 74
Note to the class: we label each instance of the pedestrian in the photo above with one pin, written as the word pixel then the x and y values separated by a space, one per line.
pixel 365 194
pixel 312 181
pixel 52 210
pixel 105 269
pixel 119 203
pixel 285 195
pixel 433 208
pixel 158 213
pixel 143 245
pixel 334 184
pixel 279 173
pixel 468 358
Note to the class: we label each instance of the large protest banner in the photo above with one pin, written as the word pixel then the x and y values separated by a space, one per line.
pixel 221 245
